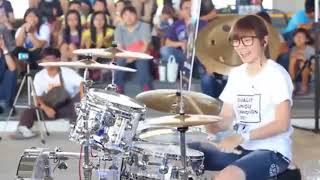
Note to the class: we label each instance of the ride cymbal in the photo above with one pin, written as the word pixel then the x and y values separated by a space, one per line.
pixel 166 100
pixel 87 64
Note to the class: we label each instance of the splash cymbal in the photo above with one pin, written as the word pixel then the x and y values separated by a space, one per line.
pixel 166 100
pixel 215 52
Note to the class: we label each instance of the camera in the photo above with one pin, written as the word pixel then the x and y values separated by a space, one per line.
pixel 23 56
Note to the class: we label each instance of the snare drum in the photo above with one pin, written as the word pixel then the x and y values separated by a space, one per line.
pixel 165 135
pixel 158 161
pixel 34 166
pixel 110 118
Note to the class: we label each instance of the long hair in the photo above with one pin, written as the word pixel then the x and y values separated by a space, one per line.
pixel 67 29
pixel 37 13
pixel 93 30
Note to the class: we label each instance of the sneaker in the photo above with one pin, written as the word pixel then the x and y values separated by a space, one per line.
pixel 23 132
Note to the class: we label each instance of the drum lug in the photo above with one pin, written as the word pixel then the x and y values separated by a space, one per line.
pixel 174 173
pixel 164 166
pixel 200 171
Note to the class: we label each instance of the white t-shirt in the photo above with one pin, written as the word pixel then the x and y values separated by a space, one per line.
pixel 254 101
pixel 43 82
pixel 43 34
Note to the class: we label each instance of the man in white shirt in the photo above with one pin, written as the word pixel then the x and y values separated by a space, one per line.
pixel 44 81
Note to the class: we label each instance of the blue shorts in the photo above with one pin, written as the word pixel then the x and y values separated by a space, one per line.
pixel 257 164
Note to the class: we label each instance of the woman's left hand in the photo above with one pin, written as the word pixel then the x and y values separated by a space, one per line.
pixel 229 144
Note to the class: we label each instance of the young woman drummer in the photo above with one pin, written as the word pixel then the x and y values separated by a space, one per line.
pixel 257 101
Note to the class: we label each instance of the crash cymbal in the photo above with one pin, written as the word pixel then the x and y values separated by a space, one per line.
pixel 87 64
pixel 183 120
pixel 165 100
pixel 112 52
pixel 215 52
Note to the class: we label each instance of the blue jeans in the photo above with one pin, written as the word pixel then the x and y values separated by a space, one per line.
pixel 167 51
pixel 258 164
pixel 8 82
pixel 211 85
pixel 143 71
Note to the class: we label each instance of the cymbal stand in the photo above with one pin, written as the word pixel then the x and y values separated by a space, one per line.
pixel 182 131
pixel 114 50
pixel 87 165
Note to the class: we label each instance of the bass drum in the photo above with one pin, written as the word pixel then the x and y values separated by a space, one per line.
pixel 34 166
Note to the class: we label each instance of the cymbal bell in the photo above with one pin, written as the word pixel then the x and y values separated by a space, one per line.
pixel 112 52
pixel 183 120
pixel 87 64
pixel 215 52
pixel 166 100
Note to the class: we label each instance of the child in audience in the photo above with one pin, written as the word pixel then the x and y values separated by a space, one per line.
pixel 300 54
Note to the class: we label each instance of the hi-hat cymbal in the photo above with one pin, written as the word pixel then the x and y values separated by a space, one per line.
pixel 165 100
pixel 112 52
pixel 87 64
pixel 183 120
pixel 215 52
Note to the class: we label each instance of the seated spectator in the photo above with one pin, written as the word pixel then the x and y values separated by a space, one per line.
pixel 167 18
pixel 116 16
pixel 75 5
pixel 99 35
pixel 99 5
pixel 301 19
pixel 133 35
pixel 32 36
pixel 70 36
pixel 207 10
pixel 6 14
pixel 50 11
pixel 44 82
pixel 145 9
pixel 8 77
pixel 299 55
pixel 86 7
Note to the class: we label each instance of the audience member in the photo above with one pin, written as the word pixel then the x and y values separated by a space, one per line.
pixel 299 55
pixel 32 36
pixel 99 35
pixel 50 11
pixel 207 10
pixel 135 36
pixel 100 5
pixel 76 5
pixel 116 16
pixel 45 82
pixel 6 14
pixel 8 77
pixel 70 36
pixel 145 9
pixel 86 7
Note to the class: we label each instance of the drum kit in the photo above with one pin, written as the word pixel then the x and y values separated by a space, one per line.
pixel 107 122
pixel 113 124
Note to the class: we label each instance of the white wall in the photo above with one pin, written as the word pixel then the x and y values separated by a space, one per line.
pixel 288 5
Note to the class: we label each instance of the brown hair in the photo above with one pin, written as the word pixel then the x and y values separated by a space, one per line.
pixel 248 24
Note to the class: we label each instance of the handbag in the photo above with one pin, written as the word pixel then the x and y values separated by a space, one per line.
pixel 57 96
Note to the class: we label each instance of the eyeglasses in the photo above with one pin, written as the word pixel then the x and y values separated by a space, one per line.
pixel 246 41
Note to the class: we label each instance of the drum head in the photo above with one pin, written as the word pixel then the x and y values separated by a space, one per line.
pixel 164 150
pixel 109 96
pixel 165 135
